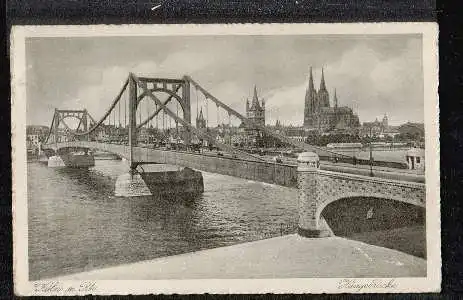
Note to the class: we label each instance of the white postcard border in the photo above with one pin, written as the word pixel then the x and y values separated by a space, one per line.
pixel 431 283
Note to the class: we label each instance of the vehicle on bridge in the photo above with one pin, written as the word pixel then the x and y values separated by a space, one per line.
pixel 278 159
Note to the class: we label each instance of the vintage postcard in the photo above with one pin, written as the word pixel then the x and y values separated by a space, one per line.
pixel 250 158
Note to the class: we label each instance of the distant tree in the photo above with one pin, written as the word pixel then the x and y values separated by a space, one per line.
pixel 312 138
pixel 260 141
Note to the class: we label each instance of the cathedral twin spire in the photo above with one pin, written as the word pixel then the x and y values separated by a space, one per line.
pixel 314 100
pixel 311 85
pixel 322 83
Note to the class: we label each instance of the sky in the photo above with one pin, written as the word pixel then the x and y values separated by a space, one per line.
pixel 374 75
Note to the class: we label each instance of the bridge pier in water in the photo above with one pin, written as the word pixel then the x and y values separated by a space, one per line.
pixel 70 159
pixel 167 184
pixel 131 184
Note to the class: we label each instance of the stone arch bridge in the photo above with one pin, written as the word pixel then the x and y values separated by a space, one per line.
pixel 318 188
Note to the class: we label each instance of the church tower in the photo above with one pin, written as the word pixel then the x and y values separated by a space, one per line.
pixel 200 121
pixel 323 96
pixel 256 111
pixel 385 122
pixel 310 102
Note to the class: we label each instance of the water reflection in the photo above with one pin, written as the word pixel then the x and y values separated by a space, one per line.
pixel 76 223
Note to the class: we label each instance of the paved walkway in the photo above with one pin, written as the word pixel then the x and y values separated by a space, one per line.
pixel 280 257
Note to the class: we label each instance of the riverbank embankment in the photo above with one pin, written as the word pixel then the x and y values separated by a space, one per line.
pixel 289 256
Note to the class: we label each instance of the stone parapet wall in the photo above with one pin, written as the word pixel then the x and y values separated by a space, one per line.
pixel 334 186
pixel 318 188
pixel 280 174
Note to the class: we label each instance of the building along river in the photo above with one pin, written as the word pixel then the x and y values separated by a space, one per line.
pixel 77 224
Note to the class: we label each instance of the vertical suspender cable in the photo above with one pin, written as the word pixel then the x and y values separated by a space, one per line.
pixel 110 125
pixel 197 102
pixel 139 113
pixel 119 107
pixel 170 122
pixel 207 112
pixel 125 112
pixel 147 115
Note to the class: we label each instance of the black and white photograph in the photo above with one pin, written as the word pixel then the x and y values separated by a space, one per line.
pixel 225 159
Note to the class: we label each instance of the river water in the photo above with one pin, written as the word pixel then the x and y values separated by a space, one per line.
pixel 77 224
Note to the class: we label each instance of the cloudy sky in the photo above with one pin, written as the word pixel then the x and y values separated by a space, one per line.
pixel 373 74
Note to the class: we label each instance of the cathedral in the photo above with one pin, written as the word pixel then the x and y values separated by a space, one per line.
pixel 321 116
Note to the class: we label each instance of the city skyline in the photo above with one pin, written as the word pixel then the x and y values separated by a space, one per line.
pixel 373 75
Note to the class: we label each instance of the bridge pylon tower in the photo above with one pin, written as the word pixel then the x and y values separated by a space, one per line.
pixel 59 117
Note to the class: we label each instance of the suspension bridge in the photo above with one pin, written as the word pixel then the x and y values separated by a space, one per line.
pixel 148 113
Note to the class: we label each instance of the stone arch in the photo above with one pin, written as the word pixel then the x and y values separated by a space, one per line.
pixel 327 200
pixel 378 221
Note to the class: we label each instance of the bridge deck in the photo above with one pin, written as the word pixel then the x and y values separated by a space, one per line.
pixel 269 172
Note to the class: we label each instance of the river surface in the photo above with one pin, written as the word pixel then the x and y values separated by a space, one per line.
pixel 77 224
